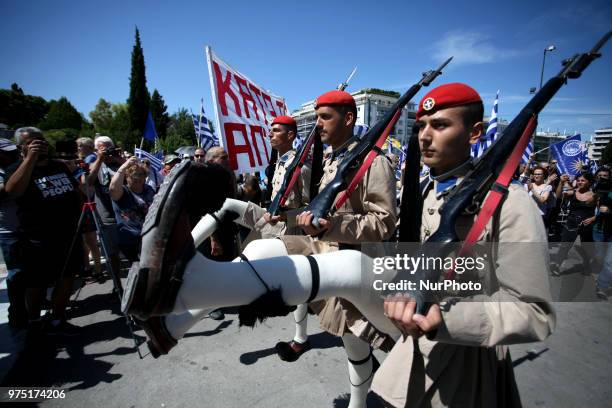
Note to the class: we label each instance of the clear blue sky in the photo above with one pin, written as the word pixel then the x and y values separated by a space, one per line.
pixel 81 50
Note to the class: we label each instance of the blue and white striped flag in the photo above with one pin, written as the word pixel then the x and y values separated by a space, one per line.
pixel 590 164
pixel 360 130
pixel 527 152
pixel 402 160
pixel 485 142
pixel 155 159
pixel 205 137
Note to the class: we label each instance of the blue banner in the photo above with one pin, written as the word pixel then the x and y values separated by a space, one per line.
pixel 570 155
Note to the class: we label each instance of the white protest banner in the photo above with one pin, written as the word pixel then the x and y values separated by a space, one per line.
pixel 244 113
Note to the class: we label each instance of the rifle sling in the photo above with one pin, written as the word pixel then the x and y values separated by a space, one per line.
pixel 498 191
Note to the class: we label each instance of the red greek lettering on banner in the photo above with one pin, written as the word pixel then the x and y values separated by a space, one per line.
pixel 223 88
pixel 246 96
pixel 233 150
pixel 257 92
pixel 281 106
pixel 258 130
pixel 270 105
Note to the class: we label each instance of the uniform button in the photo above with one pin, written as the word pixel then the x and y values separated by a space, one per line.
pixel 431 211
pixel 427 232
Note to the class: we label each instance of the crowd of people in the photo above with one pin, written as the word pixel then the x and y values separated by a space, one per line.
pixel 571 207
pixel 46 246
pixel 42 200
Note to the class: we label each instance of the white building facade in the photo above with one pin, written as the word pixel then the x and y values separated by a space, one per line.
pixel 600 140
pixel 372 105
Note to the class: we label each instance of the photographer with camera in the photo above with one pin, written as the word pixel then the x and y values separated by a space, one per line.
pixel 48 207
pixel 602 229
pixel 101 172
pixel 131 200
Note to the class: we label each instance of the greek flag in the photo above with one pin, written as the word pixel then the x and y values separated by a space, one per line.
pixel 360 130
pixel 155 159
pixel 402 161
pixel 483 144
pixel 206 139
pixel 590 164
pixel 527 152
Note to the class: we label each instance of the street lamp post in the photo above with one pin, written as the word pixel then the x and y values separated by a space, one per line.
pixel 550 48
pixel 547 49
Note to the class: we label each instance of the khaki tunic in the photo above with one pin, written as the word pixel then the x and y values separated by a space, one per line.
pixel 369 215
pixel 466 363
pixel 298 197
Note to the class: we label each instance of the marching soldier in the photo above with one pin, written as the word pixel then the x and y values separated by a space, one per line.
pixel 457 355
pixel 369 215
pixel 282 135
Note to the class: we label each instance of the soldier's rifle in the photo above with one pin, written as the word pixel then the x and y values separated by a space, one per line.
pixel 294 169
pixel 323 202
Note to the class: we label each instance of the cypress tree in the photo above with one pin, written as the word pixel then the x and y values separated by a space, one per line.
pixel 138 102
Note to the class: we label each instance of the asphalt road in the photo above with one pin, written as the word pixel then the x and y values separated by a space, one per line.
pixel 220 364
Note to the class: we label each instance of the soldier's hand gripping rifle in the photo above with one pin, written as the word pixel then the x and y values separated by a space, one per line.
pixel 468 195
pixel 294 169
pixel 322 204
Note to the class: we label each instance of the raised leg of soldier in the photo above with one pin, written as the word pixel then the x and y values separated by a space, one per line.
pixel 236 210
pixel 179 324
pixel 172 278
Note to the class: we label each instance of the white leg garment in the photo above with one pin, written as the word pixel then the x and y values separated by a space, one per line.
pixel 359 368
pixel 179 324
pixel 300 315
pixel 210 285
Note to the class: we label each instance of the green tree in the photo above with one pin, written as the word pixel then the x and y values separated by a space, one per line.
pixel 138 101
pixel 172 142
pixel 120 129
pixel 606 156
pixel 62 115
pixel 102 117
pixel 18 109
pixel 160 116
pixel 113 120
pixel 180 131
pixel 181 124
pixel 61 135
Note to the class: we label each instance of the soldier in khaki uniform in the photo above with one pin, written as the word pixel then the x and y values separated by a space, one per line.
pixel 369 215
pixel 457 354
pixel 282 135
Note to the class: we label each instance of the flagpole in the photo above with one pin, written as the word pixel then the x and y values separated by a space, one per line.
pixel 541 150
pixel 141 142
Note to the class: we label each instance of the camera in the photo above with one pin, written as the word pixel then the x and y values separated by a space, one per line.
pixel 112 151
